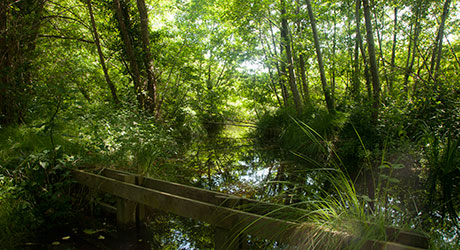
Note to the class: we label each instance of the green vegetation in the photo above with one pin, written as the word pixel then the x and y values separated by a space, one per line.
pixel 348 109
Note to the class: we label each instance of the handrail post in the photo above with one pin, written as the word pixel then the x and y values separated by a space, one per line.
pixel 140 208
pixel 126 210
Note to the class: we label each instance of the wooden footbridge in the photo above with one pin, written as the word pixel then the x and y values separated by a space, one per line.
pixel 233 217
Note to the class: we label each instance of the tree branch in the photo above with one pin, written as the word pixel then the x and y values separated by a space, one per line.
pixel 65 38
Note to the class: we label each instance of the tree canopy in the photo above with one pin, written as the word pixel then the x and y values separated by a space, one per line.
pixel 377 81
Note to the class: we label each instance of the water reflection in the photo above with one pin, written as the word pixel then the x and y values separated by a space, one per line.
pixel 229 162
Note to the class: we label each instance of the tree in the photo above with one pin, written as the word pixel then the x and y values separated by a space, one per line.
pixel 437 51
pixel 112 88
pixel 372 61
pixel 148 64
pixel 286 43
pixel 319 57
pixel 20 22
pixel 393 52
pixel 413 45
pixel 124 22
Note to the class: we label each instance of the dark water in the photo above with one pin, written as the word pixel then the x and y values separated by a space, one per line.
pixel 229 162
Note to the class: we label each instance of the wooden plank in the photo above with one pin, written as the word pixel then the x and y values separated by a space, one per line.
pixel 235 220
pixel 264 227
pixel 212 197
pixel 281 212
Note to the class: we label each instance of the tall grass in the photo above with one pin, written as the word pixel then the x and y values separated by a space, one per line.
pixel 338 211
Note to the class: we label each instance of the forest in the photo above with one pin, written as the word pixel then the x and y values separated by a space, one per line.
pixel 349 109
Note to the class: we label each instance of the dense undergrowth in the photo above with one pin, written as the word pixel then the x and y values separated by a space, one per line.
pixel 37 193
pixel 401 171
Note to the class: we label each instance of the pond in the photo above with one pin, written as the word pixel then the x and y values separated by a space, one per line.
pixel 229 162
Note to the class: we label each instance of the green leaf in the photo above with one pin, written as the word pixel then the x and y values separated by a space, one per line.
pixel 394 180
pixel 366 198
pixel 92 231
pixel 397 166
pixel 384 166
pixel 44 164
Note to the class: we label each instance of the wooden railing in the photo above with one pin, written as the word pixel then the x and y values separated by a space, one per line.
pixel 233 217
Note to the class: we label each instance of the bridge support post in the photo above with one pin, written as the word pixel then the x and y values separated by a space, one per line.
pixel 225 239
pixel 140 208
pixel 126 210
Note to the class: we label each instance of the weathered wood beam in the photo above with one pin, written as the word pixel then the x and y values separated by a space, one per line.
pixel 253 206
pixel 262 226
pixel 257 225
pixel 212 197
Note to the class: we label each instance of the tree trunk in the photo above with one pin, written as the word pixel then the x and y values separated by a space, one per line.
pixel 361 48
pixel 302 70
pixel 286 41
pixel 437 52
pixel 367 75
pixel 130 52
pixel 356 87
pixel 412 47
pixel 379 39
pixel 393 52
pixel 303 75
pixel 267 57
pixel 19 28
pixel 327 95
pixel 112 88
pixel 281 69
pixel 334 45
pixel 148 64
pixel 282 78
pixel 372 61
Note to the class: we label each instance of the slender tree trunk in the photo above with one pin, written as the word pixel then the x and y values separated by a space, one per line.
pixel 281 69
pixel 376 93
pixel 286 41
pixel 303 75
pixel 334 45
pixel 327 94
pixel 112 88
pixel 373 61
pixel 379 39
pixel 267 57
pixel 363 51
pixel 274 86
pixel 393 51
pixel 356 87
pixel 302 70
pixel 367 74
pixel 282 78
pixel 148 64
pixel 413 43
pixel 437 52
pixel 129 48
pixel 409 51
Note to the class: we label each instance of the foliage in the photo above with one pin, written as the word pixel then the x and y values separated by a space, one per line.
pixel 222 61
pixel 280 130
pixel 35 186
pixel 443 166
